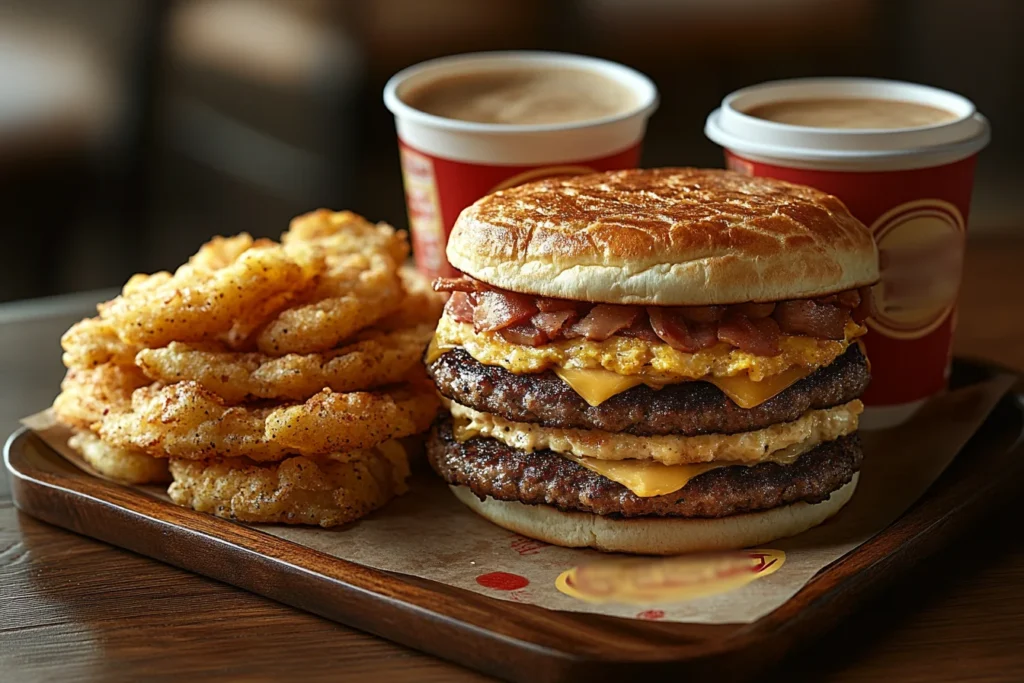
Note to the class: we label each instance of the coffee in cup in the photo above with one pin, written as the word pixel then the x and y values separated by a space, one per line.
pixel 523 96
pixel 851 112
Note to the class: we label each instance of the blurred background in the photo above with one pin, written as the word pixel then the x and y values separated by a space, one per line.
pixel 133 130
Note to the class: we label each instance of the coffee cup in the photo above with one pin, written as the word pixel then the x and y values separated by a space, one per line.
pixel 902 158
pixel 469 125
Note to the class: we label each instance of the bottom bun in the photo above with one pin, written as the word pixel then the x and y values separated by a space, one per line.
pixel 655 535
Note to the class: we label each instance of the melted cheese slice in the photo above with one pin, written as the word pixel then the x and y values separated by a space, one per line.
pixel 646 478
pixel 597 386
pixel 747 393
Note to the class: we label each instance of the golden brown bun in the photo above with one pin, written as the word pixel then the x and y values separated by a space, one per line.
pixel 655 535
pixel 670 236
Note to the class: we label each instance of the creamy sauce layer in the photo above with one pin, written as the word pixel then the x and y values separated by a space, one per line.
pixel 786 440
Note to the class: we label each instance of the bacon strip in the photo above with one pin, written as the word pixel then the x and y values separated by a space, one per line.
pixel 551 323
pixel 849 299
pixel 759 337
pixel 459 284
pixel 604 320
pixel 672 328
pixel 753 327
pixel 805 317
pixel 641 329
pixel 547 305
pixel 497 310
pixel 866 308
pixel 703 314
pixel 525 335
pixel 755 311
pixel 459 307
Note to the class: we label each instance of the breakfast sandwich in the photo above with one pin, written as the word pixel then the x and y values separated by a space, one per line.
pixel 653 361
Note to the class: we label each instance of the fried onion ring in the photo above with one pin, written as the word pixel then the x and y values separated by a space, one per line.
pixel 421 305
pixel 379 358
pixel 119 464
pixel 199 302
pixel 87 394
pixel 357 291
pixel 185 420
pixel 344 232
pixel 93 341
pixel 325 490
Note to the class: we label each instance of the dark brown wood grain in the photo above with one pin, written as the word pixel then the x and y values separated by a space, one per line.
pixel 94 612
pixel 74 609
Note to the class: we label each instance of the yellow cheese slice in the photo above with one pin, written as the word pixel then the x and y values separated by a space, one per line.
pixel 597 386
pixel 435 350
pixel 746 393
pixel 645 478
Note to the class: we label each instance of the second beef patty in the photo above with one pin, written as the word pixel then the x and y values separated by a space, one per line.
pixel 687 408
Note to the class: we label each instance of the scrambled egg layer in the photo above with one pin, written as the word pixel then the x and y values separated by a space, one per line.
pixel 784 441
pixel 629 356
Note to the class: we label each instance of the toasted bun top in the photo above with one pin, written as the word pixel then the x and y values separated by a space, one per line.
pixel 670 236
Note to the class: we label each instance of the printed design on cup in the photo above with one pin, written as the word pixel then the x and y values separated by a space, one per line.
pixel 424 207
pixel 920 246
pixel 540 174
pixel 644 581
pixel 742 166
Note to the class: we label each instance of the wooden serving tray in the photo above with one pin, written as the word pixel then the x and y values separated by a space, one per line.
pixel 512 641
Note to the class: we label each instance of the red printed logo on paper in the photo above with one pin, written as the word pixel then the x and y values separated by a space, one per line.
pixel 502 581
pixel 920 247
pixel 643 581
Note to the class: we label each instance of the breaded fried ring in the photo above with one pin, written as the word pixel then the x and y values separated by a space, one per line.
pixel 218 253
pixel 185 420
pixel 344 232
pixel 331 422
pixel 87 394
pixel 117 463
pixel 197 303
pixel 379 358
pixel 93 341
pixel 421 305
pixel 325 490
pixel 357 291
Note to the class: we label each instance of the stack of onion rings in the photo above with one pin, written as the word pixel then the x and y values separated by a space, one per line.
pixel 276 379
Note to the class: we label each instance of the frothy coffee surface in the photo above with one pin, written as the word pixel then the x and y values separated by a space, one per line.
pixel 851 113
pixel 525 96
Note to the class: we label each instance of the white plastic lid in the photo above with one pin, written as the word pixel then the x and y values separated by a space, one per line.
pixel 848 148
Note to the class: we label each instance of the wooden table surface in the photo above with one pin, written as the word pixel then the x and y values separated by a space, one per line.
pixel 75 609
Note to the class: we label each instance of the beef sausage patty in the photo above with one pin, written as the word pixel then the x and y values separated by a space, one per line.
pixel 490 468
pixel 687 408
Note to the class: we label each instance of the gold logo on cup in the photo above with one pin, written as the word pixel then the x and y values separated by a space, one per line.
pixel 920 247
pixel 643 581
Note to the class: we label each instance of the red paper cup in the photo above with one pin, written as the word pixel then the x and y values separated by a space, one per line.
pixel 910 186
pixel 448 164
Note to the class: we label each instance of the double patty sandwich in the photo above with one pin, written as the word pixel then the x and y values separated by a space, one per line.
pixel 653 361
